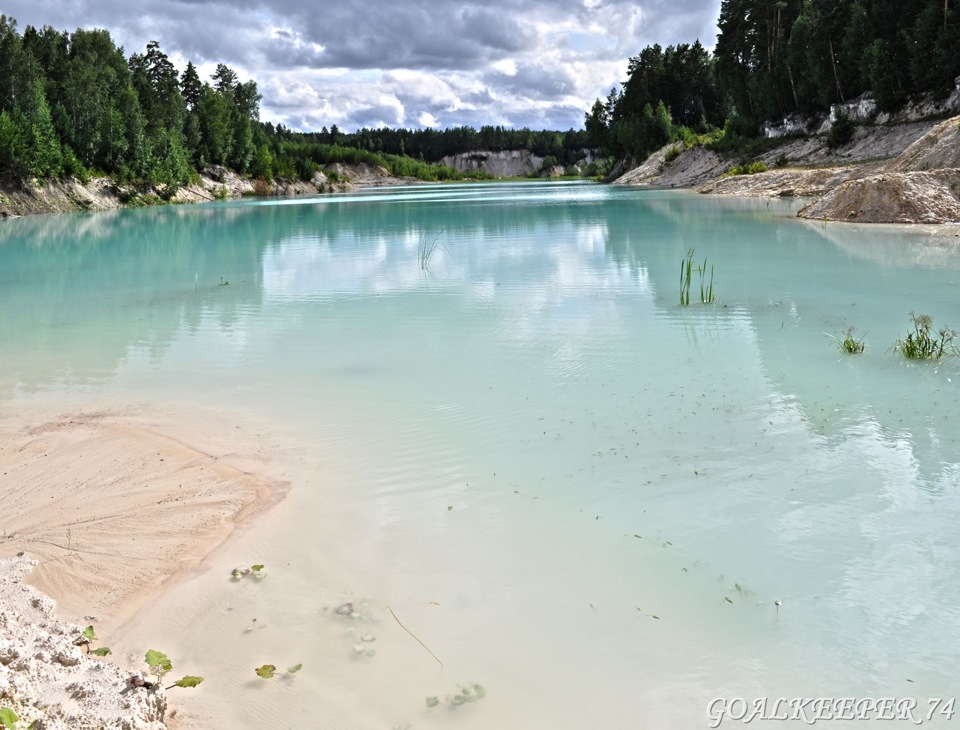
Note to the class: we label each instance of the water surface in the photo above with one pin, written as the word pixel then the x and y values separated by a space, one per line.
pixel 576 492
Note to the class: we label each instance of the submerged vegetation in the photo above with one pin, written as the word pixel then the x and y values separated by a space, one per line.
pixel 925 344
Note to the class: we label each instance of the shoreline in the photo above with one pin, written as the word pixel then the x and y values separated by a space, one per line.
pixel 105 512
pixel 33 197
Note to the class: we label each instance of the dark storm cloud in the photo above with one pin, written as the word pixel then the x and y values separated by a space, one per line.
pixel 352 63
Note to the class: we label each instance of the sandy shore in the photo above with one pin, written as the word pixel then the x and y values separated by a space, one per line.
pixel 113 507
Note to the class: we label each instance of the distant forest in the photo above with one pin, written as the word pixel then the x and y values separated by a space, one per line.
pixel 72 104
pixel 777 57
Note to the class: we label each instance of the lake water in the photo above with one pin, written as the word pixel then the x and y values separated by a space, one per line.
pixel 577 493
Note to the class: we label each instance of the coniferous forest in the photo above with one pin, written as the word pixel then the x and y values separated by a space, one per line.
pixel 777 57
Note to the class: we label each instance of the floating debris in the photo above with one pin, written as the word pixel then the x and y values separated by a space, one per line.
pixel 344 609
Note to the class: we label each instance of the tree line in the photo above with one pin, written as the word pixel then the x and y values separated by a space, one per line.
pixel 777 57
pixel 72 104
pixel 432 145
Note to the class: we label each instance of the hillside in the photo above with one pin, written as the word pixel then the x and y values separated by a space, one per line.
pixel 899 173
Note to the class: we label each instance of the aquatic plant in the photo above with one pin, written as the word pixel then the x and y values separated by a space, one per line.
pixel 427 248
pixel 923 343
pixel 686 267
pixel 706 295
pixel 267 671
pixel 254 571
pixel 467 693
pixel 686 278
pixel 850 343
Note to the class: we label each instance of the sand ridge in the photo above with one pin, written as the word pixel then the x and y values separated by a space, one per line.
pixel 113 506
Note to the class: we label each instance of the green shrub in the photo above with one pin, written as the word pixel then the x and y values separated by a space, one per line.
pixel 672 153
pixel 746 169
pixel 841 131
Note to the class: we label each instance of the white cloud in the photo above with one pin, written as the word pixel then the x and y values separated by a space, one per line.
pixel 413 63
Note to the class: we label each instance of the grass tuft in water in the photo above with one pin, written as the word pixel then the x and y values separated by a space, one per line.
pixel 427 248
pixel 686 278
pixel 686 269
pixel 851 344
pixel 925 344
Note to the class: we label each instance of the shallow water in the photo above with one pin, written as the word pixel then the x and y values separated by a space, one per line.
pixel 574 491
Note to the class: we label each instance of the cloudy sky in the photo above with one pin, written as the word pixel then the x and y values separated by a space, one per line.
pixel 410 63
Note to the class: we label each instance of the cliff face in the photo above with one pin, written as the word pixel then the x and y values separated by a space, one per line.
pixel 509 163
pixel 688 168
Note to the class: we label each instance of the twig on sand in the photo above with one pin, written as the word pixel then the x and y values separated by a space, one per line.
pixel 415 637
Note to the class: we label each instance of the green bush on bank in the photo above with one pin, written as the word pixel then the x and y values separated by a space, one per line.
pixel 751 168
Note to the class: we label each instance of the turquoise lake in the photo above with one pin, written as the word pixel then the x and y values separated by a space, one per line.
pixel 576 492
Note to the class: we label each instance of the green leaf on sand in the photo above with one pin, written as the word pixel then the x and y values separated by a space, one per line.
pixel 8 718
pixel 89 634
pixel 188 681
pixel 158 661
pixel 295 668
pixel 256 568
pixel 102 651
pixel 266 671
